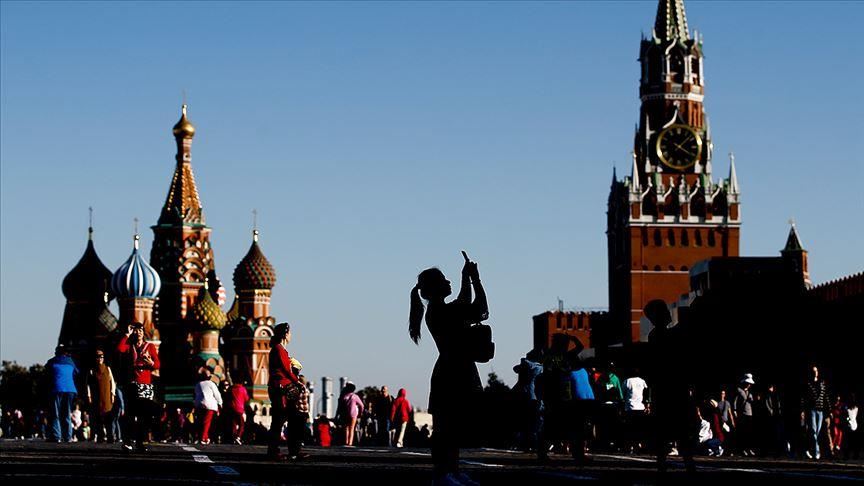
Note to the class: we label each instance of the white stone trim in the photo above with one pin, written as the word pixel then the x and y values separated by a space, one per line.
pixel 674 96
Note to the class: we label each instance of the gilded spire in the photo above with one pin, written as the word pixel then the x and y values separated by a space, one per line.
pixel 671 21
pixel 183 205
pixel 184 128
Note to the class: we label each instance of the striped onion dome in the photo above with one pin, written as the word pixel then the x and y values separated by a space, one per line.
pixel 254 272
pixel 136 279
pixel 206 313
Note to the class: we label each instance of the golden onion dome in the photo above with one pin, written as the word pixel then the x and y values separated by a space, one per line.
pixel 184 128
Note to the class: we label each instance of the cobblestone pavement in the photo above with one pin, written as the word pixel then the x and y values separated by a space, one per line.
pixel 32 460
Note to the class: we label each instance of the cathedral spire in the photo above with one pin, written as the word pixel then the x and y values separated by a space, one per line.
pixel 183 206
pixel 671 21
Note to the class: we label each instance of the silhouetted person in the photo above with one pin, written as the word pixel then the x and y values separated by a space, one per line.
pixel 563 373
pixel 674 416
pixel 455 379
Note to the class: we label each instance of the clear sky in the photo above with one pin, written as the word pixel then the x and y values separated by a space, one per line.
pixel 377 139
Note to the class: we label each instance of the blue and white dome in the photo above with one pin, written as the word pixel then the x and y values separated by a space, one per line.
pixel 136 279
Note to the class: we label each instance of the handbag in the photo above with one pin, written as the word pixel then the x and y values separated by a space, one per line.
pixel 292 391
pixel 479 343
pixel 144 391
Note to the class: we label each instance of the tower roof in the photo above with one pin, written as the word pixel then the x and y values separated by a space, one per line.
pixel 136 279
pixel 207 313
pixel 184 128
pixel 671 22
pixel 90 278
pixel 254 271
pixel 793 243
pixel 182 205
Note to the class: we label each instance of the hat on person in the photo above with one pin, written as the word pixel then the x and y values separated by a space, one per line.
pixel 748 378
pixel 713 403
pixel 61 348
pixel 136 325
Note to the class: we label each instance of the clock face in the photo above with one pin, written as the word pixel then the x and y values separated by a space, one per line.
pixel 679 147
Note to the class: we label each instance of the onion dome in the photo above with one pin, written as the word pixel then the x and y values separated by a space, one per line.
pixel 184 128
pixel 89 279
pixel 254 272
pixel 206 313
pixel 136 279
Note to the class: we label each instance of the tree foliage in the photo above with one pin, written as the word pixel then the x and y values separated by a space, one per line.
pixel 494 384
pixel 22 388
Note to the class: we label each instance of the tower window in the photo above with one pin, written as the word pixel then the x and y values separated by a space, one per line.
pixel 644 236
pixel 684 268
pixel 656 268
pixel 685 238
pixel 658 240
pixel 698 239
pixel 672 268
pixel 711 240
pixel 671 236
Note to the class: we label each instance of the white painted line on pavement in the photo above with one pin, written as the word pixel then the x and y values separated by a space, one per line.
pixel 576 477
pixel 625 458
pixel 475 463
pixel 190 449
pixel 489 449
pixel 818 475
pixel 409 453
pixel 202 458
pixel 733 469
pixel 225 470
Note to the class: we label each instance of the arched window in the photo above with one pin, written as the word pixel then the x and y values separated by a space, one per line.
pixel 644 267
pixel 698 239
pixel 711 240
pixel 656 268
pixel 685 238
pixel 644 236
pixel 671 236
pixel 684 268
pixel 676 67
pixel 672 268
pixel 658 240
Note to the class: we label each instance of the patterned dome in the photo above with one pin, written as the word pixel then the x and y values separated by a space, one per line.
pixel 254 271
pixel 207 313
pixel 136 279
pixel 89 279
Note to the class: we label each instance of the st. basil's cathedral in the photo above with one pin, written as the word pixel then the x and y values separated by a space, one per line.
pixel 177 296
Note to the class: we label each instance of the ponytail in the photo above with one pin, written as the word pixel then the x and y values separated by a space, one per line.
pixel 416 316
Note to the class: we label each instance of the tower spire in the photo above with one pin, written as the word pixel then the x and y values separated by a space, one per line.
pixel 671 22
pixel 733 176
pixel 793 242
pixel 90 227
pixel 635 185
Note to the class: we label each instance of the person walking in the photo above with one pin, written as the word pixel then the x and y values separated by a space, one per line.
pixel 118 411
pixel 238 397
pixel 63 371
pixel 207 402
pixel 400 415
pixel 381 408
pixel 635 392
pixel 455 380
pixel 139 359
pixel 350 409
pixel 101 390
pixel 674 413
pixel 285 391
pixel 530 419
pixel 814 404
pixel 742 407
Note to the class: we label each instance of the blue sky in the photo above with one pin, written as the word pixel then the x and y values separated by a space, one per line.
pixel 377 139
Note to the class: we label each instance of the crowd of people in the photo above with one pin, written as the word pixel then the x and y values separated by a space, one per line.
pixel 109 397
pixel 571 405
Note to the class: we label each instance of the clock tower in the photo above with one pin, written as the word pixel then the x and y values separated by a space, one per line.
pixel 669 213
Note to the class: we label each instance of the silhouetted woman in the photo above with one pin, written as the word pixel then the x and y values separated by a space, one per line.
pixel 455 379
